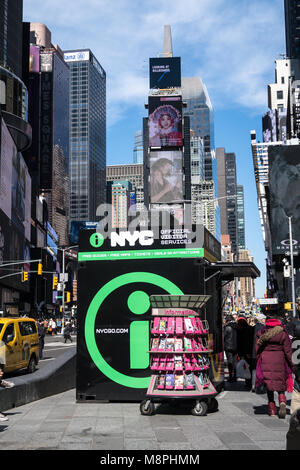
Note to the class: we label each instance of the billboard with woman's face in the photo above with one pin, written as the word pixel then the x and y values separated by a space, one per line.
pixel 166 177
pixel 165 121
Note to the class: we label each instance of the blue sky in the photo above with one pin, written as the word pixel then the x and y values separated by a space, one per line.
pixel 230 44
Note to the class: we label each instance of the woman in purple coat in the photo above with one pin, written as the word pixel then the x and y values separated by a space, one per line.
pixel 274 362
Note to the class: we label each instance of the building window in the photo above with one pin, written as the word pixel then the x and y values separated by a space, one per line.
pixel 280 95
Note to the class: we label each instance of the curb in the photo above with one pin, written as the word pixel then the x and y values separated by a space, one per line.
pixel 56 377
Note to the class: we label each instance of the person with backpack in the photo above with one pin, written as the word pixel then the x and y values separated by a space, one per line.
pixel 274 361
pixel 230 346
pixel 67 333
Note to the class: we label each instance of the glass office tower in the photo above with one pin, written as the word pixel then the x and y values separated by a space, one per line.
pixel 11 13
pixel 292 28
pixel 138 150
pixel 200 111
pixel 87 134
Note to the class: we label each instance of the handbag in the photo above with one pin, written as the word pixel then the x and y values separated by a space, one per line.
pixel 243 370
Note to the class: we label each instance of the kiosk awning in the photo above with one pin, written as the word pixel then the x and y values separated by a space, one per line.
pixel 228 271
pixel 179 301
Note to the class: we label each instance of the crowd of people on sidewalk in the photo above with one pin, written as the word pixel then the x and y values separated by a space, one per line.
pixel 263 351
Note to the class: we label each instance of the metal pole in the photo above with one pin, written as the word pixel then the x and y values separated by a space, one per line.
pixel 63 291
pixel 292 267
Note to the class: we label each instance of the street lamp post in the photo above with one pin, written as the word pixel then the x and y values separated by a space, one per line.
pixel 292 267
pixel 64 268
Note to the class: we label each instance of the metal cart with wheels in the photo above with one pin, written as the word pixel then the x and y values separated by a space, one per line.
pixel 179 348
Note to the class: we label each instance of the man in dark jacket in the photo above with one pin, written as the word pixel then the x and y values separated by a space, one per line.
pixel 230 346
pixel 245 334
pixel 260 324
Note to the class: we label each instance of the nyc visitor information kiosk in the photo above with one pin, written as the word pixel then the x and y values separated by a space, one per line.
pixel 118 273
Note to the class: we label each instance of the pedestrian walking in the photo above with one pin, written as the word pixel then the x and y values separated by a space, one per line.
pixel 260 323
pixel 67 333
pixel 41 333
pixel 274 362
pixel 245 334
pixel 230 346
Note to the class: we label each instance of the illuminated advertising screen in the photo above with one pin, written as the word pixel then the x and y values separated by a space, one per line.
pixel 284 182
pixel 34 59
pixel 165 72
pixel 269 122
pixel 165 121
pixel 166 176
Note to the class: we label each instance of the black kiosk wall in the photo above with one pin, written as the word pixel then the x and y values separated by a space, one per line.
pixel 114 286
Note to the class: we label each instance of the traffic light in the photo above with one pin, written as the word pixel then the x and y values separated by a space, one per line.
pixel 54 282
pixel 40 269
pixel 25 276
pixel 68 297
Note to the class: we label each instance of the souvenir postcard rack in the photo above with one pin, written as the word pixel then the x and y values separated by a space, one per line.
pixel 179 354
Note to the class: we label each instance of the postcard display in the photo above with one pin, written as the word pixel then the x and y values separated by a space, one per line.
pixel 179 351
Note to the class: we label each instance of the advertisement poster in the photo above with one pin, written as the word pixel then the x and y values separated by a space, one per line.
pixel 165 72
pixel 165 121
pixel 34 59
pixel 166 177
pixel 284 181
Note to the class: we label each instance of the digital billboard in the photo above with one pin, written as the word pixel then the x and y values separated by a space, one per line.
pixel 269 122
pixel 165 72
pixel 34 59
pixel 284 182
pixel 166 176
pixel 165 121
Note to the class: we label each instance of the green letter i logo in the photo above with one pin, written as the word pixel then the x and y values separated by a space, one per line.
pixel 138 303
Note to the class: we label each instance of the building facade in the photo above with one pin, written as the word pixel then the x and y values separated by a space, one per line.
pixel 120 200
pixel 227 190
pixel 138 150
pixel 11 15
pixel 198 108
pixel 134 174
pixel 292 28
pixel 87 160
pixel 240 203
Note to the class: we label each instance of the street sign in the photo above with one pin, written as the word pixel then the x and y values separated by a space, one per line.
pixel 271 301
pixel 63 277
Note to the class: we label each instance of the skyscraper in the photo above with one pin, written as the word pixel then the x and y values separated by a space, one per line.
pixel 120 201
pixel 87 161
pixel 200 111
pixel 138 150
pixel 48 157
pixel 201 115
pixel 227 186
pixel 240 217
pixel 292 28
pixel 11 14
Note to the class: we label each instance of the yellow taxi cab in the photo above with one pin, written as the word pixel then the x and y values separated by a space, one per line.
pixel 19 344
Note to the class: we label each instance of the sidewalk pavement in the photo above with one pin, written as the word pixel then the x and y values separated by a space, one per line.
pixel 59 423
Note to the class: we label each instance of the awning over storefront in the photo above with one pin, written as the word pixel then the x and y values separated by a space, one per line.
pixel 228 271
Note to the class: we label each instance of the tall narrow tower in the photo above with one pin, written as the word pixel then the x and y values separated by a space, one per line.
pixel 168 48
